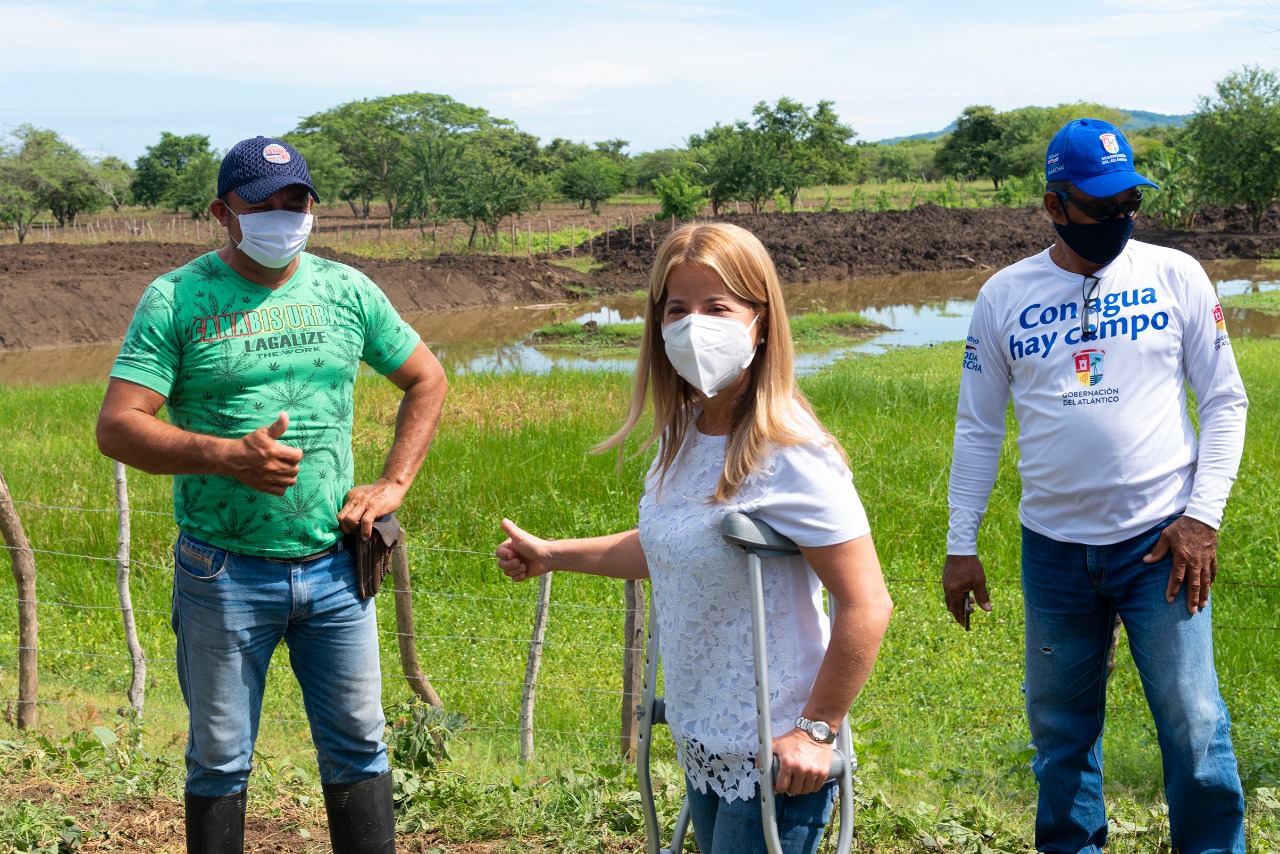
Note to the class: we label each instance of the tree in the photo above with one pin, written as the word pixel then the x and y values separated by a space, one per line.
pixel 157 172
pixel 331 177
pixel 39 172
pixel 682 197
pixel 894 163
pixel 786 148
pixel 646 167
pixel 373 136
pixel 487 189
pixel 973 148
pixel 1233 139
pixel 71 183
pixel 591 180
pixel 112 177
pixel 197 185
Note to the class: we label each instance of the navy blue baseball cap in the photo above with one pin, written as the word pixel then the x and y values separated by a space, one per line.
pixel 256 168
pixel 1095 156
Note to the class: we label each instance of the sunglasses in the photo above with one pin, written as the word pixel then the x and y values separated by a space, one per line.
pixel 1088 291
pixel 1103 211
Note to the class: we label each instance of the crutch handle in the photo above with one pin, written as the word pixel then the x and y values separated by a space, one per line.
pixel 756 536
pixel 838 765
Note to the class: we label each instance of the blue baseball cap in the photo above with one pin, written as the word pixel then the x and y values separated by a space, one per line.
pixel 256 168
pixel 1095 156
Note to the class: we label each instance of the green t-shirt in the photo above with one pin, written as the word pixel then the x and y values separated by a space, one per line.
pixel 230 355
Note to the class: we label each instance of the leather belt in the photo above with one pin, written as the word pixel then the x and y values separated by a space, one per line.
pixel 333 549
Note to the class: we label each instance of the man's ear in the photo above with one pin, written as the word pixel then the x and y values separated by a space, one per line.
pixel 218 208
pixel 1053 204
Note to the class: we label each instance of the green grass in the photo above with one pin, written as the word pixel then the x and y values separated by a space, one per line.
pixel 815 331
pixel 940 727
pixel 1267 302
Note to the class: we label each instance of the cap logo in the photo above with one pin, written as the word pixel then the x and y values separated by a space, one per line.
pixel 1109 143
pixel 275 153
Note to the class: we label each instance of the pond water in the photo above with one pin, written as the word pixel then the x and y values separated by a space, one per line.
pixel 920 309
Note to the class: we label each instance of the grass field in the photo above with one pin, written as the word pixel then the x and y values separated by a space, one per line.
pixel 940 727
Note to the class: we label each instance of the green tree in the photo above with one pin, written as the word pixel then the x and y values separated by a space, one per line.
pixel 741 165
pixel 1234 137
pixel 1175 203
pixel 649 165
pixel 488 188
pixel 71 183
pixel 40 172
pixel 331 177
pixel 373 136
pixel 112 177
pixel 197 185
pixel 157 171
pixel 972 150
pixel 893 163
pixel 682 197
pixel 591 180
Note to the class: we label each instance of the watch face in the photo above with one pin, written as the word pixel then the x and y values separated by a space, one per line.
pixel 821 731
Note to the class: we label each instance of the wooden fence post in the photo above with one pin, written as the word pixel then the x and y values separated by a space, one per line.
pixel 24 572
pixel 531 668
pixel 404 630
pixel 632 664
pixel 138 685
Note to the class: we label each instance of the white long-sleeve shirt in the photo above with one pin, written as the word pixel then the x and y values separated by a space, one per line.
pixel 1106 445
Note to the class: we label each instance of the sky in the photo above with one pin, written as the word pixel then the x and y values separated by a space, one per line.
pixel 110 75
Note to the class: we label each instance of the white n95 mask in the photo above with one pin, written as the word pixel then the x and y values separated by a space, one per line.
pixel 273 238
pixel 708 351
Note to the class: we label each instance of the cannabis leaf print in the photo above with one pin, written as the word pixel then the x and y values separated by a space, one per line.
pixel 207 269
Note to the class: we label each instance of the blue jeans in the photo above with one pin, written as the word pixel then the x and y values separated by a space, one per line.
pixel 230 611
pixel 735 827
pixel 1072 594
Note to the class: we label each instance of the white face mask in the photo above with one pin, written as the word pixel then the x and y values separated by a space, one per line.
pixel 273 238
pixel 708 351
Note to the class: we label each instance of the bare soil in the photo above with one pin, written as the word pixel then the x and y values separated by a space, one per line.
pixel 56 294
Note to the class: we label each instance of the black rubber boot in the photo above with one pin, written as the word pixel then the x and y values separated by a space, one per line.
pixel 215 825
pixel 362 816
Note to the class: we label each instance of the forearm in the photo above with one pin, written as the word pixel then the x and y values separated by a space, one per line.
pixel 614 555
pixel 149 444
pixel 855 644
pixel 416 423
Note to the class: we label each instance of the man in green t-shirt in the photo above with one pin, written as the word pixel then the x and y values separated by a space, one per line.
pixel 253 349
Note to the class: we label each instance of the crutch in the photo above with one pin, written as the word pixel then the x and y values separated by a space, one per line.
pixel 759 541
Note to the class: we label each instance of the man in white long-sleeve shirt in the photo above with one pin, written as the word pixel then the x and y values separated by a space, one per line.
pixel 1096 339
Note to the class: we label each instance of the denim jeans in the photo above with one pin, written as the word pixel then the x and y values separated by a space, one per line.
pixel 1072 594
pixel 735 827
pixel 230 612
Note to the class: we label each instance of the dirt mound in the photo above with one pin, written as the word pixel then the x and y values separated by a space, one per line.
pixel 847 244
pixel 55 294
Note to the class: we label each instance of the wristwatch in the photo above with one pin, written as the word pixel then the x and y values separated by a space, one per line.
pixel 819 731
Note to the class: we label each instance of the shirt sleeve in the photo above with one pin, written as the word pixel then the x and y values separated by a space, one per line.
pixel 388 339
pixel 1211 371
pixel 980 428
pixel 151 354
pixel 811 498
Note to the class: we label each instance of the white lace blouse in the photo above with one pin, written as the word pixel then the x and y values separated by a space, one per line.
pixel 699 589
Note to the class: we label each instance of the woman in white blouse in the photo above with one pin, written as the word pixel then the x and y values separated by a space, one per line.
pixel 736 435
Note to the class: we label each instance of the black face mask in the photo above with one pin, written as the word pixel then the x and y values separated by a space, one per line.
pixel 1097 242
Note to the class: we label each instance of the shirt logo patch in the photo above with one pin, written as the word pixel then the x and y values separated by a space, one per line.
pixel 1218 319
pixel 276 153
pixel 1088 365
pixel 1109 143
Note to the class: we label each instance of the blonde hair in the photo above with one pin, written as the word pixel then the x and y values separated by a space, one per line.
pixel 764 414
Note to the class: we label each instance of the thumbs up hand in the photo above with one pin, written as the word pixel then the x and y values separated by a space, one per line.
pixel 264 463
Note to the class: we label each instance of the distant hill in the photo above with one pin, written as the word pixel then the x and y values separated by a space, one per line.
pixel 1138 120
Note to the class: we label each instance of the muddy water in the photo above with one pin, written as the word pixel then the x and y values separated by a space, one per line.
pixel 920 309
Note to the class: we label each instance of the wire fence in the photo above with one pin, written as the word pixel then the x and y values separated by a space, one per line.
pixel 475 640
